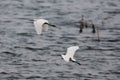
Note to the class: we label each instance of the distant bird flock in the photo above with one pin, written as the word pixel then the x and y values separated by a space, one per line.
pixel 43 24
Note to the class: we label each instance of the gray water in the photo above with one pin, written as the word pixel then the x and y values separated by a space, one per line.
pixel 24 55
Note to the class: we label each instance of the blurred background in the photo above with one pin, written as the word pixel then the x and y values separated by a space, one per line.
pixel 24 55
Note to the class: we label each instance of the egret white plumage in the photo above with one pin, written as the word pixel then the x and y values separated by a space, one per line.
pixel 70 54
pixel 41 23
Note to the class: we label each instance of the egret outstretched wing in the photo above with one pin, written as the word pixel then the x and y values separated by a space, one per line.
pixel 70 53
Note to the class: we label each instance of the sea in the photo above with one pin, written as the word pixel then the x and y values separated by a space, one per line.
pixel 25 55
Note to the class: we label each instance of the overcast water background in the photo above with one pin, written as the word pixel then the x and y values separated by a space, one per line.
pixel 24 55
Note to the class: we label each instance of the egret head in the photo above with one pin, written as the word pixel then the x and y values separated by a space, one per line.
pixel 45 26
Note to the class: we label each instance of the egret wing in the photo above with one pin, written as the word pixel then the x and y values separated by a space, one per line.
pixel 39 24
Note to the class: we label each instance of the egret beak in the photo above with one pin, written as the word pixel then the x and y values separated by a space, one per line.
pixel 50 24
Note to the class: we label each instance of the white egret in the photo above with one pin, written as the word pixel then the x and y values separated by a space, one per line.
pixel 70 54
pixel 41 23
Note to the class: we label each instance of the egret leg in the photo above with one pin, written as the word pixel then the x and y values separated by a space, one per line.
pixel 75 61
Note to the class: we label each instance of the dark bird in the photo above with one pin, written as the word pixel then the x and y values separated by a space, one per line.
pixel 93 28
pixel 82 24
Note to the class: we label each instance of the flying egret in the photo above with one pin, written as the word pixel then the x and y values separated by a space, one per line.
pixel 70 54
pixel 41 23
